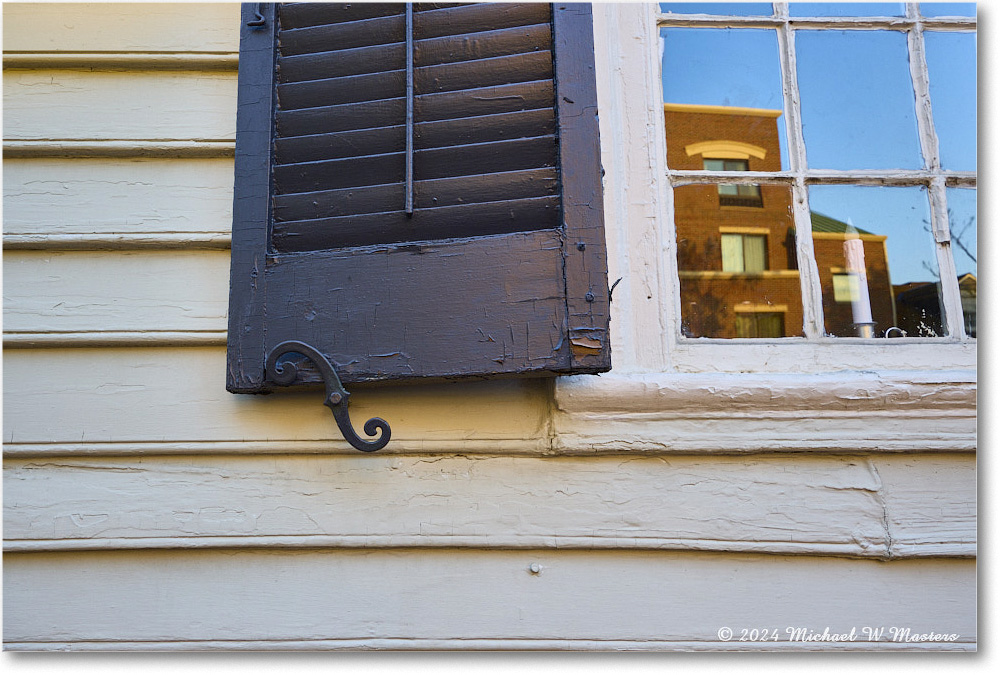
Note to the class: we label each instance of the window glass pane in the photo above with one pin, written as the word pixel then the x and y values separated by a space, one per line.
pixel 726 8
pixel 754 253
pixel 846 9
pixel 948 8
pixel 737 264
pixel 857 100
pixel 732 253
pixel 962 218
pixel 882 237
pixel 722 96
pixel 951 66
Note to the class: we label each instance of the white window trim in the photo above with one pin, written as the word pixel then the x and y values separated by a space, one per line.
pixel 669 394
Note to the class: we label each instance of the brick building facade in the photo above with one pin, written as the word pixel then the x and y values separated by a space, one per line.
pixel 736 244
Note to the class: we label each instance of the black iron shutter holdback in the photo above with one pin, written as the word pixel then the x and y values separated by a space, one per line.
pixel 418 195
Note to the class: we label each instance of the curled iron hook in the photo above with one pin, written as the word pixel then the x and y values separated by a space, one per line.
pixel 336 396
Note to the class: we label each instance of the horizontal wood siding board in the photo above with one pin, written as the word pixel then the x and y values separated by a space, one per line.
pixel 364 33
pixel 460 160
pixel 429 107
pixel 77 291
pixel 478 17
pixel 465 220
pixel 442 50
pixel 439 134
pixel 117 198
pixel 862 506
pixel 427 194
pixel 447 77
pixel 471 599
pixel 306 14
pixel 372 331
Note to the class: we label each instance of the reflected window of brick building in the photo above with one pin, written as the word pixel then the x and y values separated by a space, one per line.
pixel 775 130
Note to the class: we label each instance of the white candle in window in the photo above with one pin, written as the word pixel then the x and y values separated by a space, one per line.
pixel 854 253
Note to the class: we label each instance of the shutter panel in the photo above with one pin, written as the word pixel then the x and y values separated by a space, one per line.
pixel 499 269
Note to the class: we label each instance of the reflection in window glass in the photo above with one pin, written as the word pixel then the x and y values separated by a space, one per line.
pixel 735 195
pixel 962 219
pixel 951 66
pixel 857 100
pixel 846 9
pixel 739 277
pixel 725 8
pixel 723 86
pixel 930 9
pixel 877 261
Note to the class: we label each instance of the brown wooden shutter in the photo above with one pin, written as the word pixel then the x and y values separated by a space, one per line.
pixel 499 268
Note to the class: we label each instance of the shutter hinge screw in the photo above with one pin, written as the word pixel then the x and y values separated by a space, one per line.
pixel 589 297
pixel 581 246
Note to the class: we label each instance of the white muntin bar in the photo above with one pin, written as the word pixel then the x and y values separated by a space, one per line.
pixel 950 297
pixel 812 293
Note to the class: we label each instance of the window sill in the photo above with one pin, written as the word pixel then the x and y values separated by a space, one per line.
pixel 731 413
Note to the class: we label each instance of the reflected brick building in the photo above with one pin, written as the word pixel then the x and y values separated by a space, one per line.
pixel 736 243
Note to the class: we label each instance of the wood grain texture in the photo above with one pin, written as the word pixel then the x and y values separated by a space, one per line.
pixel 117 197
pixel 163 105
pixel 58 292
pixel 97 27
pixel 852 506
pixel 251 199
pixel 587 291
pixel 346 303
pixel 456 599
pixel 343 62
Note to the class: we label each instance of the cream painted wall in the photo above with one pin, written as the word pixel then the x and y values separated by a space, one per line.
pixel 693 487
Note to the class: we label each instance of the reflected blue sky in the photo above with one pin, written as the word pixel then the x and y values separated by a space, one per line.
pixel 948 9
pixel 857 100
pixel 846 9
pixel 951 66
pixel 723 8
pixel 713 66
pixel 962 207
pixel 902 214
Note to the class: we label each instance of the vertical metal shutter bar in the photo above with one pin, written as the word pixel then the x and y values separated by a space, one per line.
pixel 409 109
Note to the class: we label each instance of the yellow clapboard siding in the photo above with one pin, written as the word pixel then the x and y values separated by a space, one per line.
pixel 160 105
pixel 117 197
pixel 46 291
pixel 780 504
pixel 120 26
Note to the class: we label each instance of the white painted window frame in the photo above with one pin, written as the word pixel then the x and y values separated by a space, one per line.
pixel 667 393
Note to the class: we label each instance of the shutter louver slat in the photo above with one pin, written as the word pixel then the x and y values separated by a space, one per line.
pixel 463 160
pixel 452 191
pixel 448 49
pixel 306 14
pixel 479 18
pixel 426 224
pixel 428 79
pixel 439 134
pixel 365 33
